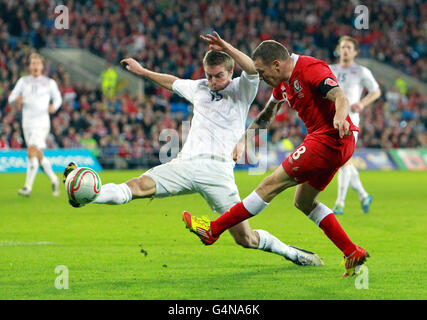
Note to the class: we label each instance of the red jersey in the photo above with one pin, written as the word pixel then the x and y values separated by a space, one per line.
pixel 303 93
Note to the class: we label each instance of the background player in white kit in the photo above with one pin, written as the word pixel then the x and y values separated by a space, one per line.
pixel 39 96
pixel 353 79
pixel 205 163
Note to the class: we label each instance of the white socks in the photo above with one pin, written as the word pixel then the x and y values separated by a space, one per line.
pixel 112 193
pixel 267 242
pixel 32 168
pixel 254 204
pixel 349 176
pixel 356 184
pixel 344 176
pixel 47 168
pixel 270 243
pixel 319 213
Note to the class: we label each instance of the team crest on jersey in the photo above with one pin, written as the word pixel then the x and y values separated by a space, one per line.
pixel 285 96
pixel 331 82
pixel 297 86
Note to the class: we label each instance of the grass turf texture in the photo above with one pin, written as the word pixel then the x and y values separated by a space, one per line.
pixel 103 246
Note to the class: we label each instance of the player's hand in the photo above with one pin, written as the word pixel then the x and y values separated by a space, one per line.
pixel 357 107
pixel 343 127
pixel 19 100
pixel 238 150
pixel 215 42
pixel 133 66
pixel 51 109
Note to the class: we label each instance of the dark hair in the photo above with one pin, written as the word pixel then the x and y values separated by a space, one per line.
pixel 351 39
pixel 215 58
pixel 270 50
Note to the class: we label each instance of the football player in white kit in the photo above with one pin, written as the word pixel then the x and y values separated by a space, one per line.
pixel 206 161
pixel 39 96
pixel 353 79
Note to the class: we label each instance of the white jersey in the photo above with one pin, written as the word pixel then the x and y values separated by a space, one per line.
pixel 352 80
pixel 219 116
pixel 37 93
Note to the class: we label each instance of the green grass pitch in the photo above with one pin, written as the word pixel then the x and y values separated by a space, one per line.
pixel 103 246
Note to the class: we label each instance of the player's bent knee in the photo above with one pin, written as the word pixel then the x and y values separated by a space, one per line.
pixel 142 187
pixel 304 206
pixel 245 241
pixel 32 152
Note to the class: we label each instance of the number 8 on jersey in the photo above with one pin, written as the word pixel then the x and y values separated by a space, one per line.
pixel 298 152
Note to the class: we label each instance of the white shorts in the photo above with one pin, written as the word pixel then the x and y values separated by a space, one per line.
pixel 356 135
pixel 36 136
pixel 213 179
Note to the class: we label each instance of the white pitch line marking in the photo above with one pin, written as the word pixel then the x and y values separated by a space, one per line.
pixel 11 243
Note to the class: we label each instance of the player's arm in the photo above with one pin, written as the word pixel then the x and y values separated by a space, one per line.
pixel 16 94
pixel 217 43
pixel 262 121
pixel 264 118
pixel 342 107
pixel 366 101
pixel 369 83
pixel 164 80
pixel 56 98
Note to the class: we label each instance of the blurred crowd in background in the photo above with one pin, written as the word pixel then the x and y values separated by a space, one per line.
pixel 122 128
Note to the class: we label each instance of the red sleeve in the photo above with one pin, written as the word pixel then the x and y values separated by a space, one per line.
pixel 321 77
pixel 278 93
pixel 317 72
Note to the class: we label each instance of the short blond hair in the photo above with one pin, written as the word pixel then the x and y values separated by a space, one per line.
pixel 215 58
pixel 35 55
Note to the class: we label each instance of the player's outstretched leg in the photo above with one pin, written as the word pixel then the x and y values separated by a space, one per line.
pixel 140 187
pixel 267 242
pixel 209 231
pixel 294 254
pixel 112 193
pixel 263 240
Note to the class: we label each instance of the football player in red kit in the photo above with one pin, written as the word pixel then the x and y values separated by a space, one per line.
pixel 308 86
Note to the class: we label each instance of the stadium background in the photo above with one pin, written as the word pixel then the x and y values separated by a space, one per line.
pixel 121 126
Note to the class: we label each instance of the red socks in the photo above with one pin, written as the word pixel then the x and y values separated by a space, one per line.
pixel 336 234
pixel 230 218
pixel 329 224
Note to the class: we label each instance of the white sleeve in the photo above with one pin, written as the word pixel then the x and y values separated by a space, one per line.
pixel 185 88
pixel 55 94
pixel 248 87
pixel 368 81
pixel 334 71
pixel 273 99
pixel 16 92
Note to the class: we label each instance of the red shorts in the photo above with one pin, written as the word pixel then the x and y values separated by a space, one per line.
pixel 318 158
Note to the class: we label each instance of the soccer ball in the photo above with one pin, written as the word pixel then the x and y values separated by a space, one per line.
pixel 83 185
